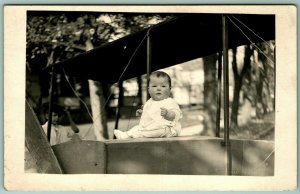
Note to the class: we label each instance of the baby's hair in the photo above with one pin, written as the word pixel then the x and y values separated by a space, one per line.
pixel 55 109
pixel 160 74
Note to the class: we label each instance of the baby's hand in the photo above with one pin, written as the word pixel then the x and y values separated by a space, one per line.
pixel 139 111
pixel 163 112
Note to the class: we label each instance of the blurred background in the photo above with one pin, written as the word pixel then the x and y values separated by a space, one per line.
pixel 56 36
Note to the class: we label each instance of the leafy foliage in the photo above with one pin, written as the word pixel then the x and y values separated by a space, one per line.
pixel 66 32
pixel 55 36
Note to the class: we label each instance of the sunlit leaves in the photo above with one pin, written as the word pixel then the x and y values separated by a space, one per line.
pixel 68 31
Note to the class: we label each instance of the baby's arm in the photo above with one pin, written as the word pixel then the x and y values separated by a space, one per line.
pixel 167 114
pixel 139 111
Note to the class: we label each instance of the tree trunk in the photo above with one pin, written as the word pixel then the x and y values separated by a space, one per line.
pixel 236 92
pixel 97 105
pixel 210 94
pixel 238 81
pixel 263 79
pixel 120 103
pixel 259 104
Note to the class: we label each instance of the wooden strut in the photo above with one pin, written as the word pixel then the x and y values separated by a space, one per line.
pixel 218 117
pixel 226 93
pixel 50 110
pixel 149 60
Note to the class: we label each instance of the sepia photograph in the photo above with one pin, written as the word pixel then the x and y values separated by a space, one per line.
pixel 156 98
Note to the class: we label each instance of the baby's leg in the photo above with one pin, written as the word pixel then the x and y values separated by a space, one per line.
pixel 139 132
pixel 158 132
pixel 121 135
pixel 134 132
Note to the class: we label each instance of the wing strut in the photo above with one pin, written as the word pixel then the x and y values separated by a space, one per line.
pixel 226 93
pixel 50 103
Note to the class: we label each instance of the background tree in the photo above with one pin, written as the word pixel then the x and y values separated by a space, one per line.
pixel 264 77
pixel 56 36
pixel 210 94
pixel 238 82
pixel 255 78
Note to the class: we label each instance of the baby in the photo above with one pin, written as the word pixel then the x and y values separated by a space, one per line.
pixel 160 115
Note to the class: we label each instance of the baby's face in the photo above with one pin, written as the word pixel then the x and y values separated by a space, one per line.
pixel 54 118
pixel 159 88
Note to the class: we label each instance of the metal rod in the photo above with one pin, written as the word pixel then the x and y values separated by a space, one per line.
pixel 50 104
pixel 226 92
pixel 149 60
pixel 219 94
